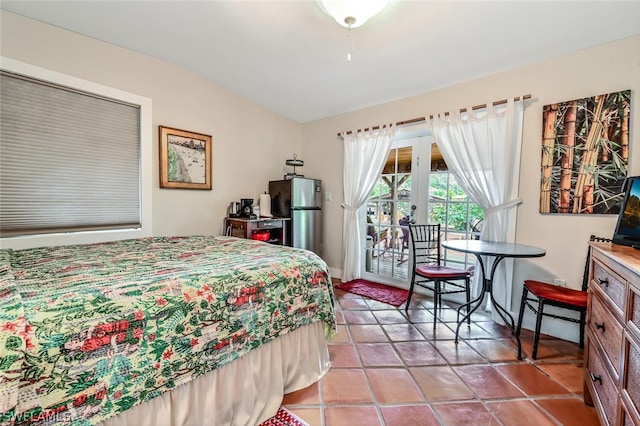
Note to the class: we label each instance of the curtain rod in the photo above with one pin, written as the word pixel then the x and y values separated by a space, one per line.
pixel 420 119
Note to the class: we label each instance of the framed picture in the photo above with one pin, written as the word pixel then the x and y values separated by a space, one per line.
pixel 185 159
pixel 585 154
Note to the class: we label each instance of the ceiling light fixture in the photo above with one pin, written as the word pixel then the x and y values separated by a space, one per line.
pixel 352 13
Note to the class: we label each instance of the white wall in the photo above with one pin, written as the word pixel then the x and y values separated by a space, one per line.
pixel 611 67
pixel 250 143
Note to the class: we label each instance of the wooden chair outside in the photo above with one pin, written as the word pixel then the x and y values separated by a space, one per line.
pixel 536 295
pixel 380 239
pixel 429 273
pixel 404 238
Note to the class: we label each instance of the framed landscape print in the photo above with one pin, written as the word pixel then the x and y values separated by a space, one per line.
pixel 585 153
pixel 185 159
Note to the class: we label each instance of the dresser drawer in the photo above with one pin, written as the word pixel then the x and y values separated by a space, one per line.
pixel 630 416
pixel 607 331
pixel 627 420
pixel 604 390
pixel 270 224
pixel 610 284
pixel 631 379
pixel 634 312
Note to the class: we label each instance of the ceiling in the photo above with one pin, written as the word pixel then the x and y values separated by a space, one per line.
pixel 291 58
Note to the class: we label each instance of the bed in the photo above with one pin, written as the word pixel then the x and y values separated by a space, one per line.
pixel 162 330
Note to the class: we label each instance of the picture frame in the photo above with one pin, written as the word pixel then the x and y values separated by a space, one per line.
pixel 585 154
pixel 185 159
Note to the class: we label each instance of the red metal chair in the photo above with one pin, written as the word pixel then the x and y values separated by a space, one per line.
pixel 429 273
pixel 545 294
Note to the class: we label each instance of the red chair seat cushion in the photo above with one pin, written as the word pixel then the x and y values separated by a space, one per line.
pixel 436 271
pixel 556 293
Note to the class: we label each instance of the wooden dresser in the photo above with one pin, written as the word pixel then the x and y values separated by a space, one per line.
pixel 612 354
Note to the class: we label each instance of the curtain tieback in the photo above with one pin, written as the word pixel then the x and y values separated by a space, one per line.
pixel 504 206
pixel 348 207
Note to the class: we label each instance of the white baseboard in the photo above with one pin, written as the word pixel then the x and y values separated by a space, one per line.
pixel 564 330
pixel 336 273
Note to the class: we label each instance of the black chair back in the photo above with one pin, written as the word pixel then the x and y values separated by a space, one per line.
pixel 425 241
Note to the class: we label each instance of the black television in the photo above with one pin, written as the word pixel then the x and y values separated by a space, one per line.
pixel 627 230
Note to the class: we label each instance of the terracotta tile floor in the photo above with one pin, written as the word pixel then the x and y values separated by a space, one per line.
pixel 389 371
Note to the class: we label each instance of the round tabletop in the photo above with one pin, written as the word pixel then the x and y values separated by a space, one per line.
pixel 494 248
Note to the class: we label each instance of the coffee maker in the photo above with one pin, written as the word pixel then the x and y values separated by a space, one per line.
pixel 246 208
pixel 234 209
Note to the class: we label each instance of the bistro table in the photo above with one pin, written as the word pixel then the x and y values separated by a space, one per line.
pixel 498 251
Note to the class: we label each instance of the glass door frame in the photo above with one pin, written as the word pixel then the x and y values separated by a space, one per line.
pixel 421 159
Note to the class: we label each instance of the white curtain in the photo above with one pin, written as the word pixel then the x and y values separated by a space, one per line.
pixel 364 156
pixel 482 150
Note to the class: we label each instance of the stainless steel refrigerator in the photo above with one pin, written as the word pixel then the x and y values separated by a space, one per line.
pixel 300 200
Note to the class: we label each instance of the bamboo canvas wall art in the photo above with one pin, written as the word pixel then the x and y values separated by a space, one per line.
pixel 585 151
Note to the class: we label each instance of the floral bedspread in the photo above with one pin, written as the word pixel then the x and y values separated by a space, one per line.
pixel 88 331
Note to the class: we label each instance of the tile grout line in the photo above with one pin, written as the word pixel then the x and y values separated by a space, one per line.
pixel 420 336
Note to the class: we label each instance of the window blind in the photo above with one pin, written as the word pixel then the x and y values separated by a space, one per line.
pixel 69 160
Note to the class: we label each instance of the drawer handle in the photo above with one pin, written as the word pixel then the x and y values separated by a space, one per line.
pixel 595 378
pixel 600 327
pixel 604 282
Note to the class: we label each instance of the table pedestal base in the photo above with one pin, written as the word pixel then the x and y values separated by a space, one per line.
pixel 497 250
pixel 487 288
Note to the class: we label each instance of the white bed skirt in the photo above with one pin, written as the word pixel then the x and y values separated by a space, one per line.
pixel 245 392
